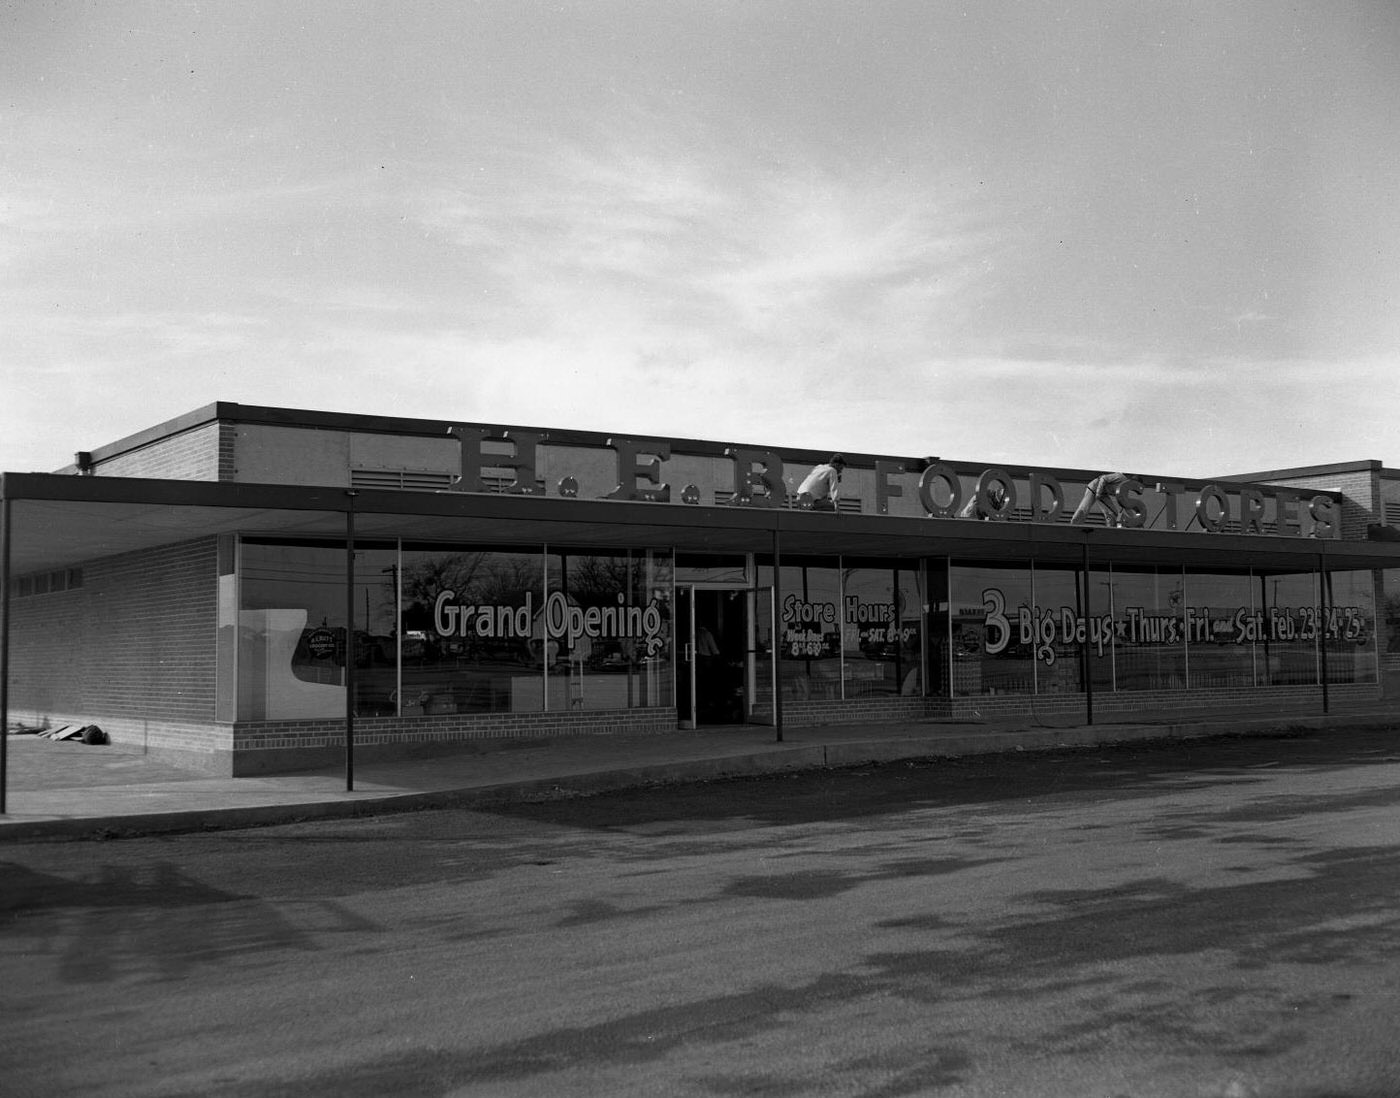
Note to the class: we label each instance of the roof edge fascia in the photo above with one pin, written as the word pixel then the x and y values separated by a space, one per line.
pixel 1363 466
pixel 200 417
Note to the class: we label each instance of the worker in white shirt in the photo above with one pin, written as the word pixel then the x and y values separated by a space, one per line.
pixel 822 485
pixel 1102 492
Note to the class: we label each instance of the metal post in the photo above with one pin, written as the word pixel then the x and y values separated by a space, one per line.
pixel 899 627
pixel 1324 582
pixel 777 642
pixel 5 516
pixel 1084 645
pixel 350 640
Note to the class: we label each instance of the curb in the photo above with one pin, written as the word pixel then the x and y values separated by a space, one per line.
pixel 774 760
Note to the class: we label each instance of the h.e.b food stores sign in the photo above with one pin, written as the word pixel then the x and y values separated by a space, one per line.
pixel 758 481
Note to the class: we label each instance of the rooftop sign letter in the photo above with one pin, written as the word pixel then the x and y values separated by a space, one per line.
pixel 474 458
pixel 758 478
pixel 629 471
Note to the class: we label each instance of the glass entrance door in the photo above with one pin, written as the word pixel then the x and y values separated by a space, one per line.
pixel 685 662
pixel 716 641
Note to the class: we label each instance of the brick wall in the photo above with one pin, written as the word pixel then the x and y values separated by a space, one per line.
pixel 204 453
pixel 131 650
pixel 279 746
pixel 1107 704
pixel 1267 700
pixel 1361 496
pixel 48 674
pixel 812 714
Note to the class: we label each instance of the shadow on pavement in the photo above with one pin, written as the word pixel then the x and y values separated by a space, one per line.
pixel 1129 769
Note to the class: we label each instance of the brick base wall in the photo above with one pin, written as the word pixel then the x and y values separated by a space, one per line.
pixel 815 714
pixel 1108 705
pixel 1125 705
pixel 278 746
pixel 284 746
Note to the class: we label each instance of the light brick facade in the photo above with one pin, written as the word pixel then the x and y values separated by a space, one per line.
pixel 203 453
pixel 1360 488
pixel 132 649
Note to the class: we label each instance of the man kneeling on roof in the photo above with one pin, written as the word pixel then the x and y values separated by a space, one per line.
pixel 1102 492
pixel 822 486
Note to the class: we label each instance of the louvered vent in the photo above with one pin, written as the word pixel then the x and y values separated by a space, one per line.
pixel 420 480
pixel 413 480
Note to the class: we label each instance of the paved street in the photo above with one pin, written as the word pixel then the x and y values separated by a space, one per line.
pixel 1199 918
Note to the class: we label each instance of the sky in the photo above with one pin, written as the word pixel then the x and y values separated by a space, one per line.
pixel 1160 237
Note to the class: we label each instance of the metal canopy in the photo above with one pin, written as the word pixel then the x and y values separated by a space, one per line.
pixel 60 521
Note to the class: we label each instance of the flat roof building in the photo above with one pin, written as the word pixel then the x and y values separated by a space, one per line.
pixel 241 588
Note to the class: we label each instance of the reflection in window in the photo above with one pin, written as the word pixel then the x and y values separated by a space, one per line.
pixel 443 630
pixel 469 619
pixel 1287 650
pixel 493 631
pixel 1059 627
pixel 1349 624
pixel 605 637
pixel 882 631
pixel 292 631
pixel 1149 627
pixel 809 619
pixel 992 650
pixel 1015 629
pixel 937 657
pixel 1219 629
pixel 1389 624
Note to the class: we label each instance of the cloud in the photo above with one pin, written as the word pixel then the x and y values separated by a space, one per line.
pixel 855 233
pixel 1251 317
pixel 661 255
pixel 1203 418
pixel 136 339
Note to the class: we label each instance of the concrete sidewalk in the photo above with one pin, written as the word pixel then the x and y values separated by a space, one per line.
pixel 69 790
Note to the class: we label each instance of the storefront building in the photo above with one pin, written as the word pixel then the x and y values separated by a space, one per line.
pixel 240 589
